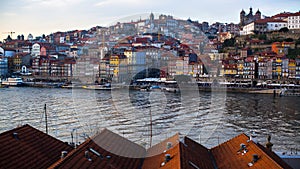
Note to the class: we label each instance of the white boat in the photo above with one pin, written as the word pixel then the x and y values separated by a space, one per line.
pixel 13 82
pixel 98 87
pixel 171 89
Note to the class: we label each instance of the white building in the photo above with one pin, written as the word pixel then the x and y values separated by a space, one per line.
pixel 275 25
pixel 248 29
pixel 294 21
pixel 30 37
pixel 3 66
pixel 263 25
pixel 36 50
pixel 1 51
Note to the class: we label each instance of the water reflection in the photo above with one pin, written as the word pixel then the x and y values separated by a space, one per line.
pixel 87 111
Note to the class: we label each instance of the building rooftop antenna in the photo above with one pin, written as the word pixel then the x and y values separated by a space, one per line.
pixel 11 32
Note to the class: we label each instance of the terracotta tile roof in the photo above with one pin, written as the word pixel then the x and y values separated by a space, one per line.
pixel 295 14
pixel 182 155
pixel 27 147
pixel 194 154
pixel 282 15
pixel 274 157
pixel 156 156
pixel 230 155
pixel 162 146
pixel 105 150
pixel 142 40
pixel 262 21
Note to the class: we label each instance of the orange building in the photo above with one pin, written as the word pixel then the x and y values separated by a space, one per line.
pixel 282 47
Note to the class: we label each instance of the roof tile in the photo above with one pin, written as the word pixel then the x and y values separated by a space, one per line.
pixel 105 150
pixel 27 147
pixel 230 154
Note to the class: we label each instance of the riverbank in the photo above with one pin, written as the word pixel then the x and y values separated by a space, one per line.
pixel 277 90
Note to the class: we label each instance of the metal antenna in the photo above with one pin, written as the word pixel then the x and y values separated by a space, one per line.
pixel 46 119
pixel 150 128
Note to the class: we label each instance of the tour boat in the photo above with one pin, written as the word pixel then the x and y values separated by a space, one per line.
pixel 13 82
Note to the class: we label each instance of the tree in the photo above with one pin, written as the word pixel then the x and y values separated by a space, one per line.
pixel 262 37
pixel 211 37
pixel 229 42
pixel 256 32
pixel 284 30
pixel 293 53
pixel 289 40
pixel 297 42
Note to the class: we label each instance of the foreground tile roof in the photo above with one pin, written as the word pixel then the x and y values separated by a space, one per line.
pixel 27 147
pixel 161 161
pixel 237 153
pixel 105 150
pixel 194 155
pixel 240 152
pixel 156 155
pixel 185 155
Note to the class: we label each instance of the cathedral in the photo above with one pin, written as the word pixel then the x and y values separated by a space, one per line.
pixel 246 19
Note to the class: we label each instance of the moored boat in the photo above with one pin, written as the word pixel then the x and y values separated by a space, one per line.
pixel 99 87
pixel 289 92
pixel 13 82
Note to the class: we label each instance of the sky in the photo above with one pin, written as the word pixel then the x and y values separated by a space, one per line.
pixel 47 16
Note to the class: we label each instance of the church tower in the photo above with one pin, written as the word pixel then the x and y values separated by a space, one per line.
pixel 242 18
pixel 250 12
pixel 257 15
pixel 151 16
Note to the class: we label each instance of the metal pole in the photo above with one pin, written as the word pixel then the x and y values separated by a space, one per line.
pixel 150 128
pixel 46 119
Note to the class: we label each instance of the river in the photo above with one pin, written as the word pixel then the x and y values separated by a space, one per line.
pixel 208 117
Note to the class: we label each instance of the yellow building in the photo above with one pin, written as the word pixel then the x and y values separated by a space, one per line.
pixel 228 70
pixel 114 64
pixel 240 68
pixel 17 60
pixel 128 54
pixel 292 69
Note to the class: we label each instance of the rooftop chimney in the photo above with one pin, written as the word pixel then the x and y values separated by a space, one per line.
pixel 254 158
pixel 169 145
pixel 87 155
pixel 63 154
pixel 167 157
pixel 242 146
pixel 269 145
pixel 16 136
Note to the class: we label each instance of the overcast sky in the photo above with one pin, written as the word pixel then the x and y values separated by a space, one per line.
pixel 46 16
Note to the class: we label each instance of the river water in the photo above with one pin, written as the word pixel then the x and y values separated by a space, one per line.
pixel 208 117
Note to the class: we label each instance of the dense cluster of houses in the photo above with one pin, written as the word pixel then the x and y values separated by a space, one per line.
pixel 163 47
pixel 256 23
pixel 262 65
